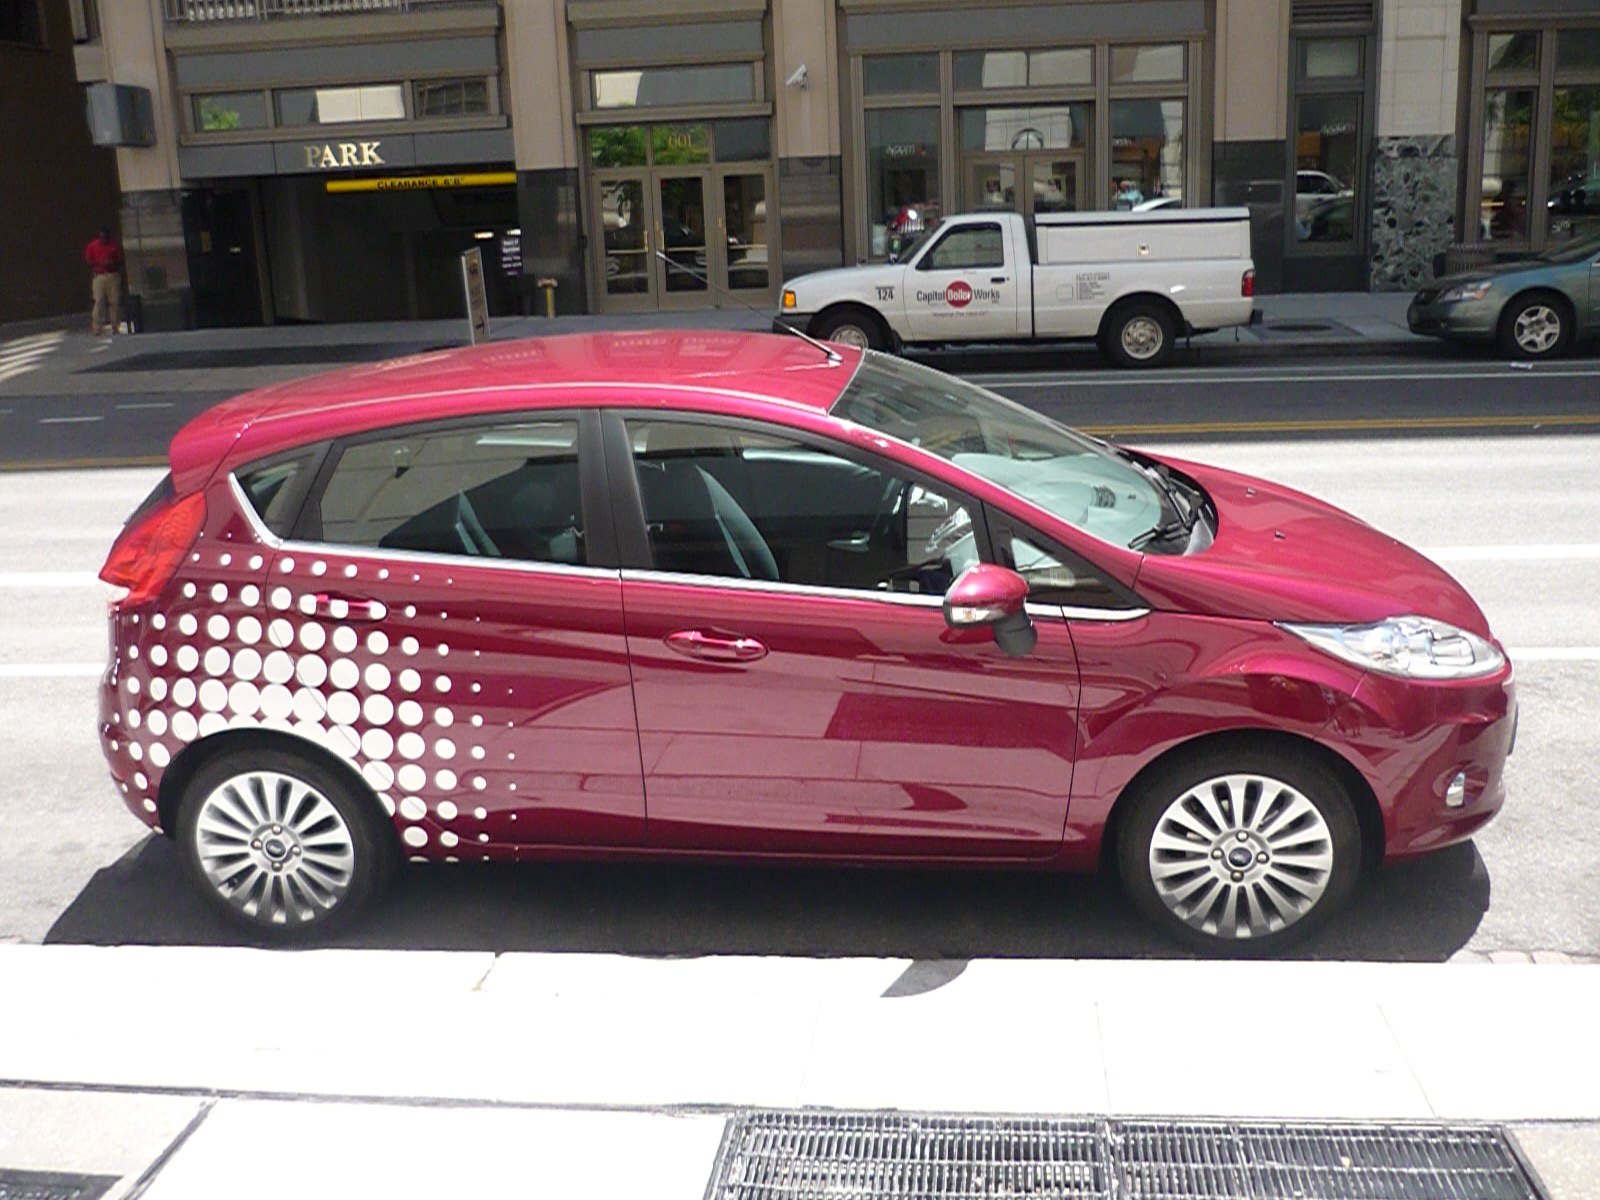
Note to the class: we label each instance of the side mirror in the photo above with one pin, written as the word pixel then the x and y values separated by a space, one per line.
pixel 994 596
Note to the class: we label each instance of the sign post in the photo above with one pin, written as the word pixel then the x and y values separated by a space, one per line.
pixel 477 297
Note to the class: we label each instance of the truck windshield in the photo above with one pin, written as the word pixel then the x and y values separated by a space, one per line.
pixel 1072 477
pixel 909 250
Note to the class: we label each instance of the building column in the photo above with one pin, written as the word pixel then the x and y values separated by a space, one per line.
pixel 1415 163
pixel 810 187
pixel 1248 137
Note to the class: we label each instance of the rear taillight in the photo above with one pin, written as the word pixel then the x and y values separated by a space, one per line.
pixel 1247 283
pixel 149 550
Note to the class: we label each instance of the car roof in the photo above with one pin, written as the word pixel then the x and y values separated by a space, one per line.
pixel 745 371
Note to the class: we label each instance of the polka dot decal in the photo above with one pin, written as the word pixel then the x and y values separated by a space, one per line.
pixel 257 643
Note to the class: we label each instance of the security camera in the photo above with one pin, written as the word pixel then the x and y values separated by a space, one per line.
pixel 798 79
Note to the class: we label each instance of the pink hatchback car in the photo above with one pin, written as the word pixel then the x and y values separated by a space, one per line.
pixel 738 595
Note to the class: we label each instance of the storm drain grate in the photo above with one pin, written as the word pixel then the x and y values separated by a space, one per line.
pixel 877 1156
pixel 49 1185
pixel 901 1156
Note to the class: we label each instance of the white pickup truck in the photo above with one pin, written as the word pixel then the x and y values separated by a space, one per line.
pixel 1133 281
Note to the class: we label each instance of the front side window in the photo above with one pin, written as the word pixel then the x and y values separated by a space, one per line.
pixel 968 248
pixel 727 502
pixel 1079 481
pixel 490 491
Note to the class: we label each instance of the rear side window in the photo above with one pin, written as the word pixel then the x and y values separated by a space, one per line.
pixel 488 491
pixel 270 491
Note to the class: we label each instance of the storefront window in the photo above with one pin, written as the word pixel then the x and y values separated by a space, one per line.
pixel 450 98
pixel 986 69
pixel 1513 52
pixel 899 74
pixel 330 106
pixel 902 175
pixel 1146 151
pixel 1507 135
pixel 1038 127
pixel 1330 58
pixel 230 110
pixel 617 146
pixel 680 145
pixel 1327 157
pixel 1574 202
pixel 722 83
pixel 746 140
pixel 1147 64
pixel 1578 49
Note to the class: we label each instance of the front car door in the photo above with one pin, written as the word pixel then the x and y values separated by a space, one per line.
pixel 964 287
pixel 797 688
pixel 447 615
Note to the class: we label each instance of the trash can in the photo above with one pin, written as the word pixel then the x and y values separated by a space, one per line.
pixel 1463 256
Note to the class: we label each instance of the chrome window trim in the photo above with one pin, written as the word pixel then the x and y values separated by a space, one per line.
pixel 1074 613
pixel 523 565
pixel 778 587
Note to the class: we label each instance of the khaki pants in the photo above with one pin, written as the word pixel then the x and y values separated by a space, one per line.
pixel 107 298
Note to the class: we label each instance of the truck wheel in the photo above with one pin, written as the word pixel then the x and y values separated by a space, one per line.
pixel 1139 334
pixel 852 327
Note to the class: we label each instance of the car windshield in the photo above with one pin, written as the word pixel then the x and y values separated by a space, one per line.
pixel 1573 254
pixel 1072 477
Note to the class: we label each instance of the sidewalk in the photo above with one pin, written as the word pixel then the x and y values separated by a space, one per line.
pixel 377 1073
pixel 217 360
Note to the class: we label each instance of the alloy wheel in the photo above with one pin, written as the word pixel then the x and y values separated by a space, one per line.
pixel 1537 329
pixel 1241 856
pixel 274 848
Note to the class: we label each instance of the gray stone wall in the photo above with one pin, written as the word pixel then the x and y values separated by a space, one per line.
pixel 1413 208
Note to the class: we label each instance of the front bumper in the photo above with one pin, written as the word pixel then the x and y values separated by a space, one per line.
pixel 1470 320
pixel 1414 738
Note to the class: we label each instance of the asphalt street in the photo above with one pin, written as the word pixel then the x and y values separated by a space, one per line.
pixel 1505 513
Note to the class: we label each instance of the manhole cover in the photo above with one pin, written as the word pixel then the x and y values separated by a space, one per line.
pixel 48 1185
pixel 890 1156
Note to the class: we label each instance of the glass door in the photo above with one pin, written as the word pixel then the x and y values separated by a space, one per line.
pixel 992 185
pixel 746 230
pixel 684 266
pixel 627 272
pixel 1054 183
pixel 1057 181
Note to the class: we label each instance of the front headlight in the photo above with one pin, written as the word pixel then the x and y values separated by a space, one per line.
pixel 1466 291
pixel 1414 647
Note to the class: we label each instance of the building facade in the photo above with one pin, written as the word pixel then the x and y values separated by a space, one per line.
pixel 58 189
pixel 325 160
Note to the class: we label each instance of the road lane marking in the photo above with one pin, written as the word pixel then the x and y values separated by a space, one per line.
pixel 151 404
pixel 1044 379
pixel 68 420
pixel 47 579
pixel 1567 551
pixel 50 670
pixel 84 464
pixel 1357 425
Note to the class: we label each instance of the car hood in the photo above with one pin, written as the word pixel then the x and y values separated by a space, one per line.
pixel 1280 555
pixel 840 277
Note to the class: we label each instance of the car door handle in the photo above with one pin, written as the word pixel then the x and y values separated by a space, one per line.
pixel 711 647
pixel 343 608
pixel 999 278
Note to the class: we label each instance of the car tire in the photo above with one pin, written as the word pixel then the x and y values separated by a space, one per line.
pixel 858 327
pixel 1191 824
pixel 282 845
pixel 1140 333
pixel 1536 326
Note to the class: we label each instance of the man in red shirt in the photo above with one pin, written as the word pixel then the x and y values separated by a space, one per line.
pixel 104 257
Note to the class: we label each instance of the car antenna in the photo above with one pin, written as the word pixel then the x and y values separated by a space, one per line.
pixel 833 355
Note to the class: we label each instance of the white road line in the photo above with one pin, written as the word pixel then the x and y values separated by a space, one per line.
pixel 50 670
pixel 1454 554
pixel 151 404
pixel 1003 383
pixel 68 420
pixel 47 579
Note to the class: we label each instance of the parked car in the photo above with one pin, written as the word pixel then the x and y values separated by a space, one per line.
pixel 1133 281
pixel 742 596
pixel 1533 308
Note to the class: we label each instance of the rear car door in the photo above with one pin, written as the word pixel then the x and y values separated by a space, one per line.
pixel 445 615
pixel 797 689
pixel 965 287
